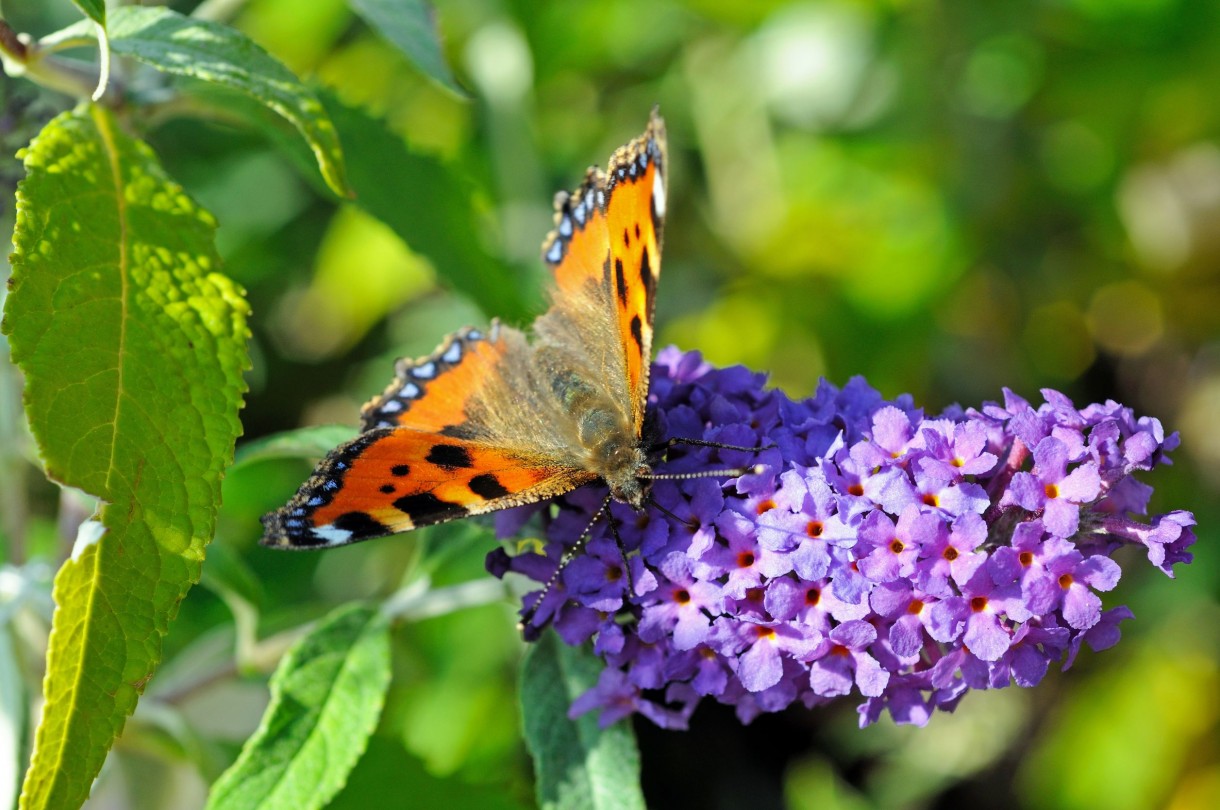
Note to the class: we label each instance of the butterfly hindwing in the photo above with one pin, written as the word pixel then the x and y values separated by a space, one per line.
pixel 432 393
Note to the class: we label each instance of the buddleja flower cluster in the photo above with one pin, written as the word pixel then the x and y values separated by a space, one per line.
pixel 873 550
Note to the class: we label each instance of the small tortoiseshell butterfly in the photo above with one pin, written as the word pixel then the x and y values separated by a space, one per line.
pixel 491 420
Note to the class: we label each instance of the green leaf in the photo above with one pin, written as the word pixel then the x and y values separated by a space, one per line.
pixel 133 346
pixel 309 443
pixel 211 52
pixel 326 696
pixel 429 206
pixel 410 26
pixel 93 9
pixel 577 764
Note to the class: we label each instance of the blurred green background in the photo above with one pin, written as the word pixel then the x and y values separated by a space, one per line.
pixel 945 197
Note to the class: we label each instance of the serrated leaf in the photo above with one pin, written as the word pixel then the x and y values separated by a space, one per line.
pixel 170 42
pixel 410 26
pixel 310 443
pixel 133 346
pixel 93 9
pixel 429 206
pixel 577 764
pixel 326 696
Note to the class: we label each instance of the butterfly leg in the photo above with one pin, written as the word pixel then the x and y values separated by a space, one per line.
pixel 525 626
pixel 622 552
pixel 659 506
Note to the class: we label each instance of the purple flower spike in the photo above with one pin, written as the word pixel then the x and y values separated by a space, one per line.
pixel 874 552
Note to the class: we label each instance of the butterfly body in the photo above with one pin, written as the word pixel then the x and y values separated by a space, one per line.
pixel 498 418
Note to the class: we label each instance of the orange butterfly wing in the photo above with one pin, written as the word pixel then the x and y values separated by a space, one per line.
pixel 424 458
pixel 432 393
pixel 605 252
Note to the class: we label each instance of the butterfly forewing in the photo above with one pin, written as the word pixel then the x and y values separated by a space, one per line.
pixel 396 479
pixel 605 252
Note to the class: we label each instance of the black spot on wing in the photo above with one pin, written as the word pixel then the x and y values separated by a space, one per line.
pixel 637 332
pixel 626 239
pixel 450 457
pixel 462 431
pixel 424 508
pixel 388 489
pixel 620 281
pixel 360 524
pixel 487 486
pixel 400 470
pixel 637 230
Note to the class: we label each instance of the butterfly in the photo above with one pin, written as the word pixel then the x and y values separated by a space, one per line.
pixel 494 419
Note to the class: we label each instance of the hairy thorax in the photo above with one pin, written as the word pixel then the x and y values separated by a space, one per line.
pixel 604 434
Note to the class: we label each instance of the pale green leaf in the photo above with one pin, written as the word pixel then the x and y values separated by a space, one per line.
pixel 211 52
pixel 577 765
pixel 410 26
pixel 132 345
pixel 326 696
pixel 430 206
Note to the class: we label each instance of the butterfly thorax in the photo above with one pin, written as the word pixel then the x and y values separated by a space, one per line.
pixel 605 435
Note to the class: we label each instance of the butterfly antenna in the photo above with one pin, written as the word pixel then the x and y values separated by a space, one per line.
pixel 523 626
pixel 718 445
pixel 734 472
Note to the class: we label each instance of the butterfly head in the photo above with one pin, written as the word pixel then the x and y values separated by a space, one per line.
pixel 630 483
